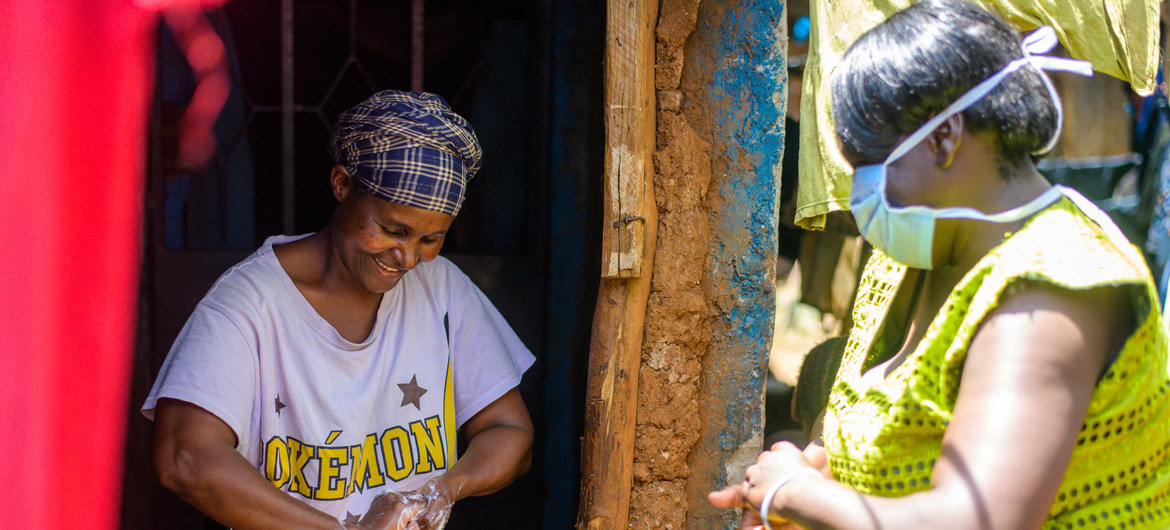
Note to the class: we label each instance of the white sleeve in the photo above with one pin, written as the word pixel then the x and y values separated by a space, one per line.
pixel 488 357
pixel 211 365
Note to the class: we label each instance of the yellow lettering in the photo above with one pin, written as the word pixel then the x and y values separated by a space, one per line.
pixel 396 453
pixel 330 485
pixel 430 445
pixel 365 472
pixel 299 454
pixel 276 462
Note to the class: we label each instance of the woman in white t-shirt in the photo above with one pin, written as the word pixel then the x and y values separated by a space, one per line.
pixel 321 381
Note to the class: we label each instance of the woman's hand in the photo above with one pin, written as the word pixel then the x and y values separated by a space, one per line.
pixel 499 449
pixel 390 510
pixel 438 499
pixel 426 508
pixel 783 459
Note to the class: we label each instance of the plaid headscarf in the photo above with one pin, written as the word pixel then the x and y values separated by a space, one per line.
pixel 408 148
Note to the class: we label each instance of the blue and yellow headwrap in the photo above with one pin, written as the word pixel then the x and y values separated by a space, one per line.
pixel 408 148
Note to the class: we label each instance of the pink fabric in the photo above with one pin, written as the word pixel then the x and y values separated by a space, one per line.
pixel 75 81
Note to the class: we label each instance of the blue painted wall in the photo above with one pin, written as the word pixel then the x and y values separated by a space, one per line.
pixel 735 77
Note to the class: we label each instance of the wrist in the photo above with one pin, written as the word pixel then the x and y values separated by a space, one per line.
pixel 769 504
pixel 345 525
pixel 451 486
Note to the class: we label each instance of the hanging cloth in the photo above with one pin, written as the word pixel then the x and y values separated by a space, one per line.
pixel 1119 38
pixel 75 98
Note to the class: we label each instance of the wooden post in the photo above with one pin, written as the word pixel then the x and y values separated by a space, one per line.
pixel 629 136
pixel 631 221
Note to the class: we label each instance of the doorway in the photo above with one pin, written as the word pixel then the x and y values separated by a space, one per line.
pixel 527 235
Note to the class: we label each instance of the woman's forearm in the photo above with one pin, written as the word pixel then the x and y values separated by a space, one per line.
pixel 194 455
pixel 494 458
pixel 499 448
pixel 223 485
pixel 822 503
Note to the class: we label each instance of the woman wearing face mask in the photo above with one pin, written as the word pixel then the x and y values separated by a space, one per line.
pixel 1008 367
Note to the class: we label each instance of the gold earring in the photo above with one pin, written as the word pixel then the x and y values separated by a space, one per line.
pixel 951 156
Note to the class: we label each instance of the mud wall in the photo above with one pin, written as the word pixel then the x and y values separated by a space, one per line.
pixel 678 323
pixel 720 79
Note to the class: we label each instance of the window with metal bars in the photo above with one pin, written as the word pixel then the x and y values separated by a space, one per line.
pixel 297 64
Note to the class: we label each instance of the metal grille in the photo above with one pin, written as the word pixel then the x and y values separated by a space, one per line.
pixel 298 65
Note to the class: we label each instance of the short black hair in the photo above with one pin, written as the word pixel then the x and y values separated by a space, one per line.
pixel 899 74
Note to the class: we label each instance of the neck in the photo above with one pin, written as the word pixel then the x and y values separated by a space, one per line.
pixel 334 276
pixel 975 238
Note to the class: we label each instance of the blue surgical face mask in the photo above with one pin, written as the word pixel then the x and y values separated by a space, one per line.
pixel 906 233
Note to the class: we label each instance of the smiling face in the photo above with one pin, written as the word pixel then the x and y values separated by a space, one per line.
pixel 377 241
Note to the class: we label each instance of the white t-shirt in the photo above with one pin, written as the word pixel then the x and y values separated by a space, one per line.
pixel 332 422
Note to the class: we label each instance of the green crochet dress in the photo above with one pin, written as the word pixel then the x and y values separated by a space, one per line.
pixel 884 439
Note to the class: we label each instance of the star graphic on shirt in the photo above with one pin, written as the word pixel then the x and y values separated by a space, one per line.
pixel 412 393
pixel 351 518
pixel 279 405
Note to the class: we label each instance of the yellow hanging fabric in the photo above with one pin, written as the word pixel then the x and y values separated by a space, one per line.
pixel 1119 37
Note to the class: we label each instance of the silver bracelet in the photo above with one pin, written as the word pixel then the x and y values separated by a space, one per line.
pixel 766 505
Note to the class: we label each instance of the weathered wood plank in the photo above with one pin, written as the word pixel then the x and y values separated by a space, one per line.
pixel 630 218
pixel 629 136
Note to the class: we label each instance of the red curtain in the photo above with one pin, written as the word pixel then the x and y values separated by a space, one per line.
pixel 75 80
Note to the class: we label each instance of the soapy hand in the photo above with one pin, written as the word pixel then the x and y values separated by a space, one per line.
pixel 426 508
pixel 437 501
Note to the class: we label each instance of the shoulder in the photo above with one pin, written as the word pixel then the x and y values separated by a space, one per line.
pixel 440 267
pixel 251 284
pixel 1061 273
pixel 1064 246
pixel 1046 325
pixel 1104 306
pixel 440 273
pixel 1069 283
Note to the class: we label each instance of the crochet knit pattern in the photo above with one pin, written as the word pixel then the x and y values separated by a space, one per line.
pixel 883 439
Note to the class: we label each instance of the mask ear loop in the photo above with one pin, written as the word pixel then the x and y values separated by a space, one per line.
pixel 1040 41
pixel 1043 40
pixel 966 100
